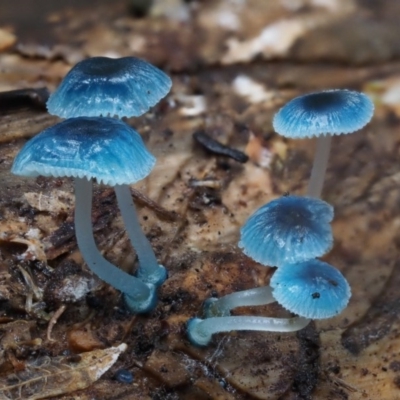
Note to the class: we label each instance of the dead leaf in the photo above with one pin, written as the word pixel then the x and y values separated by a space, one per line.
pixel 58 201
pixel 168 367
pixel 47 377
pixel 7 39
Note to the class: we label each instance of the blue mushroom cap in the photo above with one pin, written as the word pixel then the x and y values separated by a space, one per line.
pixel 101 86
pixel 123 376
pixel 329 112
pixel 288 230
pixel 106 149
pixel 311 289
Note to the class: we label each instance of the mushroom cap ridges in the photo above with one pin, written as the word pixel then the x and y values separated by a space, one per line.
pixel 287 230
pixel 335 112
pixel 101 86
pixel 99 148
pixel 311 289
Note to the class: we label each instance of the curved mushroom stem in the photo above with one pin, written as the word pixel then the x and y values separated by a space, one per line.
pixel 200 331
pixel 214 307
pixel 320 164
pixel 149 269
pixel 140 297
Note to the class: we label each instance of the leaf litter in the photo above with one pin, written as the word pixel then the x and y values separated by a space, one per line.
pixel 198 246
pixel 52 376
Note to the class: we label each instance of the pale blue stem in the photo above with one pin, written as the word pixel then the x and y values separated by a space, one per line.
pixel 319 167
pixel 140 297
pixel 149 270
pixel 214 307
pixel 200 331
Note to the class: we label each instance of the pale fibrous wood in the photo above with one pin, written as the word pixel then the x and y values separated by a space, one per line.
pixel 51 376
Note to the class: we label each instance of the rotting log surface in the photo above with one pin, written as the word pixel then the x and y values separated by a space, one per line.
pixel 351 44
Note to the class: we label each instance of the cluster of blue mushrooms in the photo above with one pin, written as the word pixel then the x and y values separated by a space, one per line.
pixel 91 145
pixel 290 232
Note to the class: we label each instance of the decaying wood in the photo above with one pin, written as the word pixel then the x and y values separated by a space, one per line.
pixel 233 64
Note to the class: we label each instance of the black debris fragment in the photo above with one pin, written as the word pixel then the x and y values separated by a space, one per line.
pixel 21 98
pixel 216 147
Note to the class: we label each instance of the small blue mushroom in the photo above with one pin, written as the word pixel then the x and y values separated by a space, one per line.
pixel 101 86
pixel 200 331
pixel 322 114
pixel 113 153
pixel 312 289
pixel 287 230
pixel 124 376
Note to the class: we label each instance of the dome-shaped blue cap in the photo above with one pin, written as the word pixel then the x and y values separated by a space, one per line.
pixel 106 149
pixel 123 87
pixel 288 230
pixel 311 289
pixel 329 112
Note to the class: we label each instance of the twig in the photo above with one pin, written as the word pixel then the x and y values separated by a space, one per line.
pixel 143 199
pixel 36 98
pixel 53 321
pixel 216 147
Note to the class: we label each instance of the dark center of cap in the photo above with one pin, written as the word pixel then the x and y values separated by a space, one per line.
pixel 296 217
pixel 102 66
pixel 326 101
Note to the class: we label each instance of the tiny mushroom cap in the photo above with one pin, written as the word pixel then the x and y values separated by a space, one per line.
pixel 105 149
pixel 101 86
pixel 335 112
pixel 311 289
pixel 289 229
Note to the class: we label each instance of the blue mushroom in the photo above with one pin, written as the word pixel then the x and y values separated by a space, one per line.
pixel 311 289
pixel 328 112
pixel 101 86
pixel 322 114
pixel 113 153
pixel 123 376
pixel 287 230
pixel 200 331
